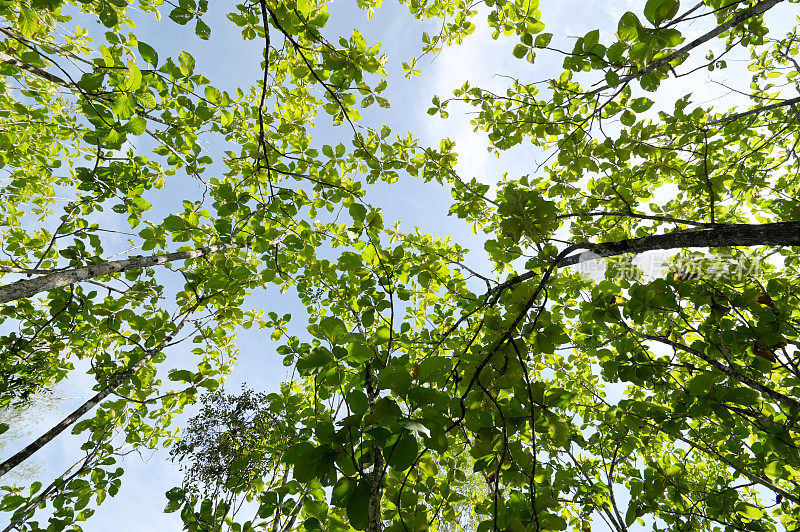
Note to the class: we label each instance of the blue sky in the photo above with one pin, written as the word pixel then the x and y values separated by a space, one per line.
pixel 229 62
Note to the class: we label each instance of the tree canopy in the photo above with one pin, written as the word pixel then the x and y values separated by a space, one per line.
pixel 427 392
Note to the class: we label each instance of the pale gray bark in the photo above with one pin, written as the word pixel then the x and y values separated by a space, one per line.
pixel 25 288
pixel 731 235
pixel 76 414
pixel 5 58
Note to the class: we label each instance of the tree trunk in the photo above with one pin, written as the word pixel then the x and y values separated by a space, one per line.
pixel 376 492
pixel 118 381
pixel 375 478
pixel 29 287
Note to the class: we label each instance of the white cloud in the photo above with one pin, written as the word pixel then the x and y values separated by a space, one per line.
pixel 479 59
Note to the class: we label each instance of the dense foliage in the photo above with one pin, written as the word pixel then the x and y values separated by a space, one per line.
pixel 427 394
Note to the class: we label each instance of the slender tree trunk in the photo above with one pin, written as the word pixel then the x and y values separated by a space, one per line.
pixel 376 492
pixel 375 478
pixel 29 287
pixel 115 383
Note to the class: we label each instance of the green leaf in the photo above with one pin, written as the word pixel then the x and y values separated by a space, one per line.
pixel 136 125
pixel 298 452
pixel 631 514
pixel 773 470
pixel 29 22
pixel 415 427
pixel 403 453
pixel 520 50
pixel 181 375
pixel 357 401
pixel 175 496
pixel 147 100
pixel 312 524
pixel 434 368
pixel 740 396
pixel 358 353
pixel 750 511
pixel 341 492
pixel 670 37
pixel 133 80
pixel 641 105
pixel 382 335
pixel 396 378
pixel 383 412
pixel 314 361
pixel 560 432
pixel 226 117
pixel 174 223
pixel 148 53
pixel 304 7
pixel 553 522
pixel 358 212
pixel 614 53
pixel 700 385
pixel 211 94
pixel 49 5
pixel 91 81
pixel 313 463
pixel 628 27
pixel 202 30
pixel 123 106
pixel 543 40
pixel 333 329
pixel 358 506
pixel 657 11
pixel 627 118
pixel 181 16
pixel 591 39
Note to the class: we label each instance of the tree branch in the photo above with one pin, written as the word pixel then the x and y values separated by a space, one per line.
pixel 653 217
pixel 778 397
pixel 733 235
pixel 29 287
pixel 789 102
pixel 757 9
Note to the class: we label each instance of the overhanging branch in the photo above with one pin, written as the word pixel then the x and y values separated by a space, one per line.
pixel 29 287
pixel 732 235
pixel 785 103
pixel 752 11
